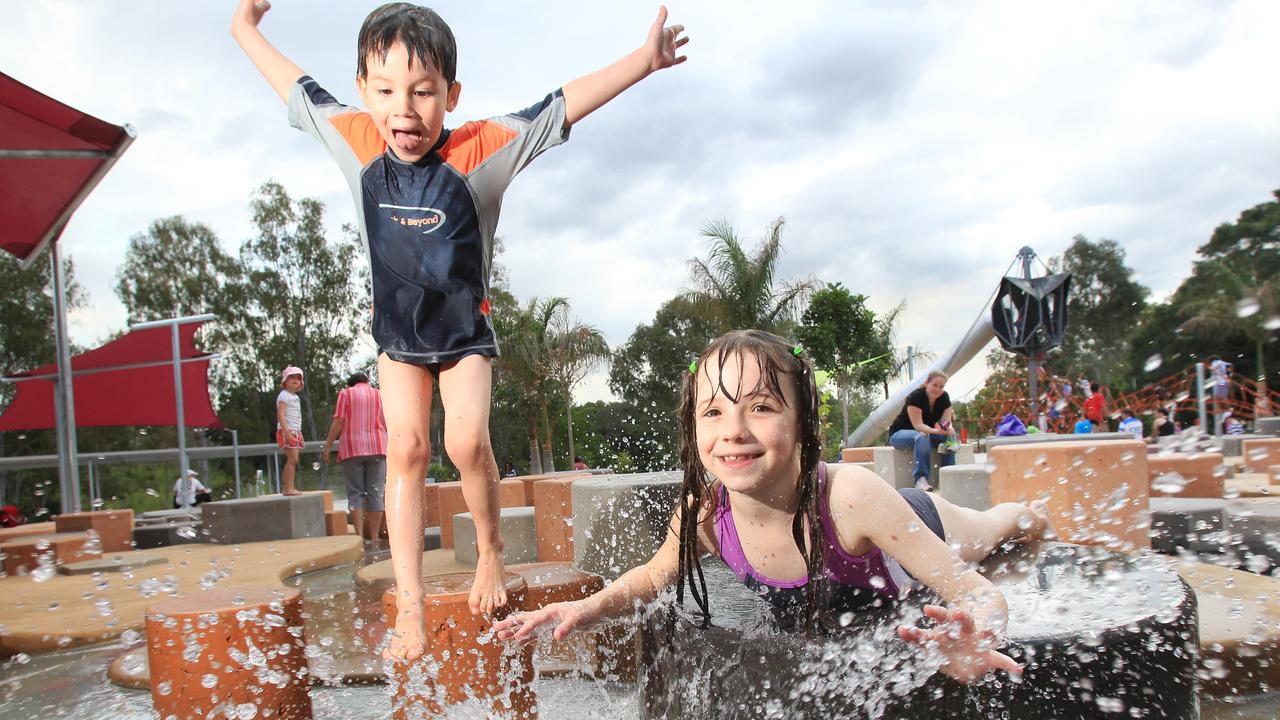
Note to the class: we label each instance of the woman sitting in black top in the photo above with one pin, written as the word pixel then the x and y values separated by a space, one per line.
pixel 923 424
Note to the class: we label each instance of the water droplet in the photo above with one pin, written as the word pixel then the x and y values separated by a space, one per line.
pixel 1153 363
pixel 209 680
pixel 877 582
pixel 1247 306
pixel 186 532
pixel 152 492
pixel 1272 323
pixel 315 466
pixel 142 431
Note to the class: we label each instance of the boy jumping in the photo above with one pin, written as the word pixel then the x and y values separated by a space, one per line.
pixel 427 202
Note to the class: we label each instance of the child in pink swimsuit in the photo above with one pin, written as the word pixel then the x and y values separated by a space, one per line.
pixel 826 537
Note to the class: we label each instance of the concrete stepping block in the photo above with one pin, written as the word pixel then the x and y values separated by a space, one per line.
pixel 175 513
pixel 112 563
pixel 335 522
pixel 619 521
pixel 452 502
pixel 595 650
pixel 1096 492
pixel 114 527
pixel 431 538
pixel 440 561
pixel 553 518
pixel 461 660
pixel 1249 485
pixel 519 536
pixel 994 441
pixel 1239 630
pixel 531 481
pixel 1187 524
pixel 857 454
pixel 229 647
pixel 1189 475
pixel 23 554
pixel 21 531
pixel 1093 629
pixel 167 533
pixel 431 505
pixel 1260 453
pixel 1253 532
pixel 1267 426
pixel 897 467
pixel 130 670
pixel 325 495
pixel 270 517
pixel 966 485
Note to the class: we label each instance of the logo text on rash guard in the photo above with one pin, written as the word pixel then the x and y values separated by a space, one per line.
pixel 429 219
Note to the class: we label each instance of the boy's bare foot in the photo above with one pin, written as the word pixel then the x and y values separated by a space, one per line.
pixel 408 637
pixel 488 591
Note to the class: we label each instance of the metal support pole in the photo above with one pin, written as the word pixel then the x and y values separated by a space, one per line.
pixel 1200 398
pixel 275 478
pixel 911 363
pixel 93 489
pixel 182 421
pixel 69 467
pixel 1033 393
pixel 235 444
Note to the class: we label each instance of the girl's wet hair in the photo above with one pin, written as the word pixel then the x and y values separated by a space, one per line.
pixel 424 34
pixel 777 359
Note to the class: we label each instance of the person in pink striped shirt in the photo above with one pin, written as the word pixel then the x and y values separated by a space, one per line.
pixel 362 452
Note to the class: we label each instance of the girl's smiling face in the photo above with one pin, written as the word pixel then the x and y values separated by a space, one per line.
pixel 746 434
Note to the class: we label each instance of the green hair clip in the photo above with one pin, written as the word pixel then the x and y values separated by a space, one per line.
pixel 797 350
pixel 693 366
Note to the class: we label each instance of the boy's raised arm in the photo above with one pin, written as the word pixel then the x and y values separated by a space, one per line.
pixel 589 92
pixel 281 73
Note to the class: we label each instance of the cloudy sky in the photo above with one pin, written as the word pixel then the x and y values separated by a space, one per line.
pixel 913 147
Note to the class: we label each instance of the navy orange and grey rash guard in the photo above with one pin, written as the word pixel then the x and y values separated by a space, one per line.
pixel 429 225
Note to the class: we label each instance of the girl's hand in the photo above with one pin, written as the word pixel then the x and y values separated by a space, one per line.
pixel 663 43
pixel 567 616
pixel 968 650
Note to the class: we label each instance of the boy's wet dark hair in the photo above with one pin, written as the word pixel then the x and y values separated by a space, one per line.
pixel 777 358
pixel 424 34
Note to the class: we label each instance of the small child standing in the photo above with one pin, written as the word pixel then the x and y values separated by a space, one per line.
pixel 289 426
pixel 427 201
pixel 1094 408
pixel 756 494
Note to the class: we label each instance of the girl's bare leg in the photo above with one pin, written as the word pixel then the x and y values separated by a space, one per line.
pixel 290 471
pixel 465 392
pixel 979 532
pixel 406 405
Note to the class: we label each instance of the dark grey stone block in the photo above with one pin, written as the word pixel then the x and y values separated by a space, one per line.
pixel 165 534
pixel 431 539
pixel 1187 524
pixel 519 539
pixel 620 520
pixel 271 517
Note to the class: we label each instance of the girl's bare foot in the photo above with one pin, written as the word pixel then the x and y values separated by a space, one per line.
pixel 1042 528
pixel 407 639
pixel 488 591
pixel 291 492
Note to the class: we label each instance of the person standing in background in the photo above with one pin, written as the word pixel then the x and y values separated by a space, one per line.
pixel 362 452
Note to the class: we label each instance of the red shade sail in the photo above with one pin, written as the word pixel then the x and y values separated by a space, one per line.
pixel 51 156
pixel 128 381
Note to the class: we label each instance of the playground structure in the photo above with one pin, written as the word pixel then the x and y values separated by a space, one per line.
pixel 1185 393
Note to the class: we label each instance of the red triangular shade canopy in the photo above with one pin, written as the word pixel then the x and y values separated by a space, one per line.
pixel 51 156
pixel 131 384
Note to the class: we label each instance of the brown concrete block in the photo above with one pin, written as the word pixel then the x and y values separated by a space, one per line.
pixel 1096 492
pixel 199 648
pixel 66 548
pixel 336 522
pixel 553 582
pixel 553 515
pixel 431 505
pixel 326 494
pixel 510 494
pixel 531 481
pixel 114 527
pixel 455 664
pixel 857 455
pixel 1259 454
pixel 1239 642
pixel 21 531
pixel 1196 475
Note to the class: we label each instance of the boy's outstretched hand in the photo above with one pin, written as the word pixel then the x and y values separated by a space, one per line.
pixel 250 13
pixel 663 42
pixel 969 651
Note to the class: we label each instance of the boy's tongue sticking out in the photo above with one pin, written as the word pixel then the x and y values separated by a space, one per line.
pixel 407 140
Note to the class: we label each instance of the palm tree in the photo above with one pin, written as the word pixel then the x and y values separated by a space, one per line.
pixel 550 353
pixel 576 349
pixel 894 362
pixel 736 290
